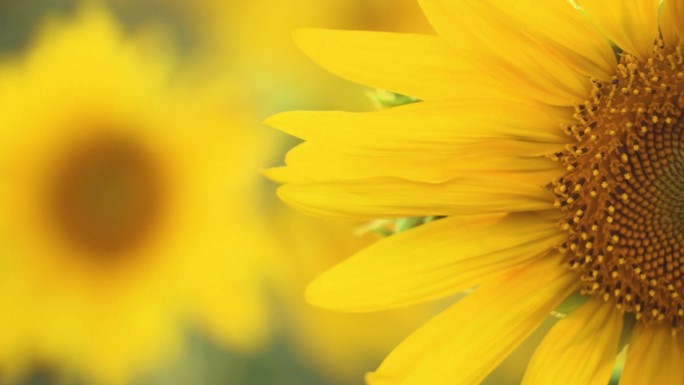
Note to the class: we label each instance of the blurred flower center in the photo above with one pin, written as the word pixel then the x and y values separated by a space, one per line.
pixel 623 192
pixel 106 196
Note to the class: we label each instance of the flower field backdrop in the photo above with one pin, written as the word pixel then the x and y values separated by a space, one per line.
pixel 489 193
pixel 158 106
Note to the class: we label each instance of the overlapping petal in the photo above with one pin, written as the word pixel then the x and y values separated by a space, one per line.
pixel 387 197
pixel 580 349
pixel 487 325
pixel 654 356
pixel 527 57
pixel 631 24
pixel 672 21
pixel 438 128
pixel 421 66
pixel 434 260
pixel 320 163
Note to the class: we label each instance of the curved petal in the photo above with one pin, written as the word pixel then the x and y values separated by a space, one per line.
pixel 439 128
pixel 431 261
pixel 579 349
pixel 463 344
pixel 631 24
pixel 322 163
pixel 284 175
pixel 654 356
pixel 421 66
pixel 672 21
pixel 386 197
pixel 483 33
pixel 564 31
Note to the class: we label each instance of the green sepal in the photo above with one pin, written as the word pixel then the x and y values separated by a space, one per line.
pixel 571 304
pixel 387 99
pixel 387 227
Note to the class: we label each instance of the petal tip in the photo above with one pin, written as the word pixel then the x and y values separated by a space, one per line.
pixel 318 293
pixel 285 122
pixel 273 120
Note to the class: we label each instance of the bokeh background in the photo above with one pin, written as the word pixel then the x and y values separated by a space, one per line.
pixel 236 317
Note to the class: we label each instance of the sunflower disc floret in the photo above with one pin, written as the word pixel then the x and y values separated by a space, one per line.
pixel 623 191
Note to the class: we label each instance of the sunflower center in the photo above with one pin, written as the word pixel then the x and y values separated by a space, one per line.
pixel 105 197
pixel 623 192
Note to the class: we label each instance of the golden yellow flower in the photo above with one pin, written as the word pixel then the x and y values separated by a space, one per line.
pixel 556 163
pixel 124 210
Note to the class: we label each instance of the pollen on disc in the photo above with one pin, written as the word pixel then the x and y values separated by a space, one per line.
pixel 622 194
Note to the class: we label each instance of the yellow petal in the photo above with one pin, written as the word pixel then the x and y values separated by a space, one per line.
pixel 482 33
pixel 654 357
pixel 672 21
pixel 631 24
pixel 421 66
pixel 322 163
pixel 466 342
pixel 284 175
pixel 431 261
pixel 561 28
pixel 439 128
pixel 580 349
pixel 386 197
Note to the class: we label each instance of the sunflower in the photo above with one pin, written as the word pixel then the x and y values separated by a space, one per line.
pixel 124 207
pixel 549 141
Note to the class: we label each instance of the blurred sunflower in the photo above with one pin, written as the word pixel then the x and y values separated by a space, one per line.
pixel 549 139
pixel 123 193
pixel 251 39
